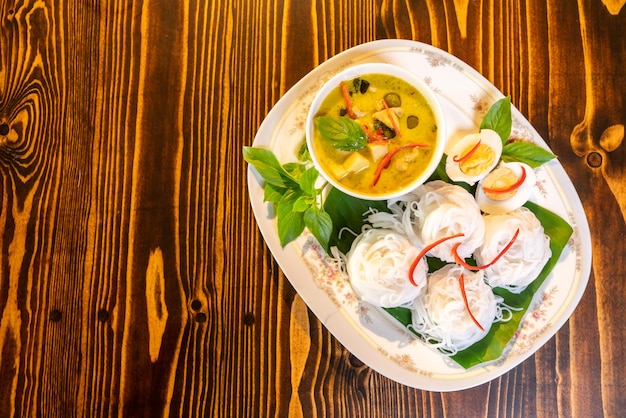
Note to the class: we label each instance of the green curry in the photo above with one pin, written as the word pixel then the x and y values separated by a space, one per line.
pixel 388 130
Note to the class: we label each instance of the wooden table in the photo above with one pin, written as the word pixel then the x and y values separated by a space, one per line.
pixel 133 278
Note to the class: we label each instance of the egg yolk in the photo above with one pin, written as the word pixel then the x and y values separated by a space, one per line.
pixel 480 161
pixel 500 178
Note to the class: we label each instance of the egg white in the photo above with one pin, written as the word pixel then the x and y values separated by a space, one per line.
pixel 522 195
pixel 487 137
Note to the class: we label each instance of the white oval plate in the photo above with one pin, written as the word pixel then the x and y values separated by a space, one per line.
pixel 370 334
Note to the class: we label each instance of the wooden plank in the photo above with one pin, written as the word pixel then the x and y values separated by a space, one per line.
pixel 133 277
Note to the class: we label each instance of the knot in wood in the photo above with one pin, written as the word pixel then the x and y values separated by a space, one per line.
pixel 594 159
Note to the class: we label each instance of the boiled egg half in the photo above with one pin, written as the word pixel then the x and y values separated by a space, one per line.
pixel 506 188
pixel 472 157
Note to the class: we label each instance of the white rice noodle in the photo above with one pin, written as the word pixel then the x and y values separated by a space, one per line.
pixel 520 264
pixel 433 211
pixel 378 266
pixel 443 210
pixel 402 218
pixel 440 316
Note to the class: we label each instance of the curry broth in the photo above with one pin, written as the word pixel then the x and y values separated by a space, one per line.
pixel 407 164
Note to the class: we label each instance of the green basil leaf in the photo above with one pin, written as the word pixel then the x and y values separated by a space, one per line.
pixel 303 203
pixel 319 223
pixel 295 169
pixel 267 165
pixel 303 154
pixel 342 132
pixel 290 223
pixel 526 152
pixel 272 193
pixel 307 181
pixel 498 118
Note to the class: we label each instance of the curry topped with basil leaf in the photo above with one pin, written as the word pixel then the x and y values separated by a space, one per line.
pixel 375 134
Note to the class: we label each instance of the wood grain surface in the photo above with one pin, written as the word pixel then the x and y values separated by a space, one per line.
pixel 133 278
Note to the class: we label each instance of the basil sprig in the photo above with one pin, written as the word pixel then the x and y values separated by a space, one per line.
pixel 526 152
pixel 291 189
pixel 499 119
pixel 342 132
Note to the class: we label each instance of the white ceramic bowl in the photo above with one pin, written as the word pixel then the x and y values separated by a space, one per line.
pixel 378 68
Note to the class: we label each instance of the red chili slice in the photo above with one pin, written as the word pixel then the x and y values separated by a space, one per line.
pixel 393 121
pixel 347 100
pixel 376 137
pixel 384 163
pixel 425 250
pixel 510 188
pixel 459 260
pixel 469 153
pixel 469 311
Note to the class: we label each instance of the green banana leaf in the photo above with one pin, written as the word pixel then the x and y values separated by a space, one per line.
pixel 347 211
